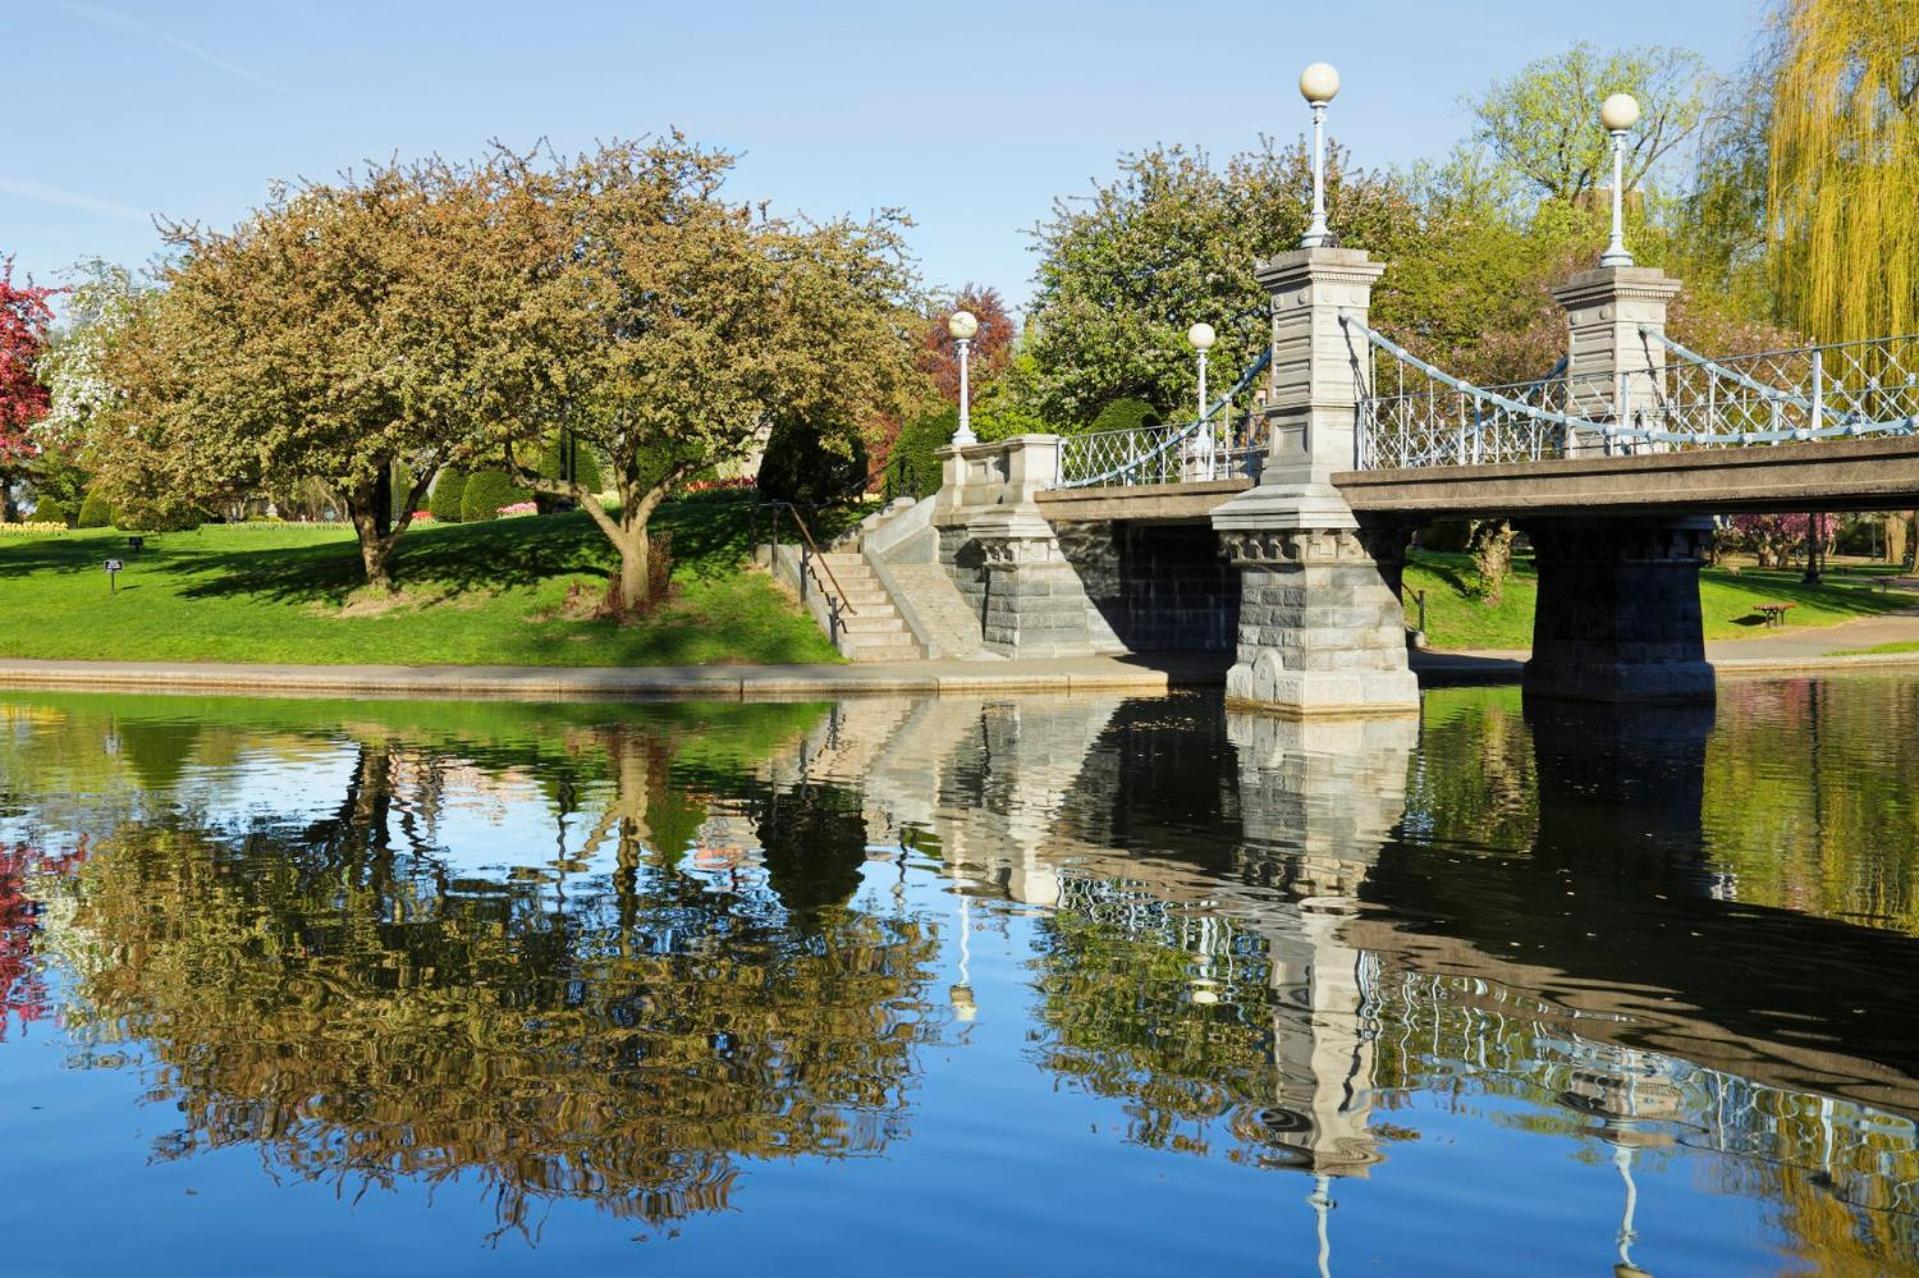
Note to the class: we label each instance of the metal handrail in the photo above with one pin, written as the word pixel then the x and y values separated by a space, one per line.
pixel 810 556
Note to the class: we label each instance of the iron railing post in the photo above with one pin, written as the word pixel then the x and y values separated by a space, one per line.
pixel 1818 391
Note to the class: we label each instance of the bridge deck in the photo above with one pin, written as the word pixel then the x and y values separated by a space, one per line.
pixel 1872 473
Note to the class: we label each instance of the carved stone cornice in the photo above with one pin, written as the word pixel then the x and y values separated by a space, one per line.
pixel 1015 551
pixel 1293 547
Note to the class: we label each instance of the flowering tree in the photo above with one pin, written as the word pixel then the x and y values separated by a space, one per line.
pixel 992 349
pixel 342 332
pixel 25 316
pixel 1776 538
pixel 678 323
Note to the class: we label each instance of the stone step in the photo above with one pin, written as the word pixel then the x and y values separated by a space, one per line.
pixel 903 650
pixel 864 623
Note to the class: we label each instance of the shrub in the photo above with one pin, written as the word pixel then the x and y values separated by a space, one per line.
pixel 449 490
pixel 802 466
pixel 1125 413
pixel 486 492
pixel 166 516
pixel 1445 535
pixel 586 469
pixel 913 466
pixel 95 512
pixel 51 510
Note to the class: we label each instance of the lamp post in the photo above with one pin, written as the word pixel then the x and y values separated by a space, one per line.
pixel 962 325
pixel 1199 450
pixel 1201 338
pixel 1618 113
pixel 1318 84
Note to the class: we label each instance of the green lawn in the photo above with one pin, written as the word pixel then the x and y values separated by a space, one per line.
pixel 1457 620
pixel 482 594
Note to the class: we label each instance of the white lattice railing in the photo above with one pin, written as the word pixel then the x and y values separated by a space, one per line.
pixel 1167 454
pixel 1215 445
pixel 1416 415
pixel 1815 392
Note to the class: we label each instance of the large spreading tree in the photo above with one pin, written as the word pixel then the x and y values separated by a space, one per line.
pixel 680 324
pixel 344 332
pixel 1171 241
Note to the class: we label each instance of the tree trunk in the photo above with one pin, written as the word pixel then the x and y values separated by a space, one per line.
pixel 376 546
pixel 383 501
pixel 636 558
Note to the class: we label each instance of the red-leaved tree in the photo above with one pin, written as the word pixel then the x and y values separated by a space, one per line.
pixel 992 348
pixel 25 317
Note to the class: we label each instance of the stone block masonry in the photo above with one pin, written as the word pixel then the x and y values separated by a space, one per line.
pixel 1320 629
pixel 1618 614
pixel 1161 587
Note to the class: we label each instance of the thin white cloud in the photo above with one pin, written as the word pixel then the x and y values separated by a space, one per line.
pixel 126 24
pixel 44 194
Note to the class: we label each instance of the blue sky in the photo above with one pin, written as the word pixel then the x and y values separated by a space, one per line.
pixel 972 117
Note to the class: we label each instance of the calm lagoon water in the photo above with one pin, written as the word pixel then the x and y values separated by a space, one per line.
pixel 951 986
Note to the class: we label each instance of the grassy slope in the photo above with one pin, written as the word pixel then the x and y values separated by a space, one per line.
pixel 1456 620
pixel 475 594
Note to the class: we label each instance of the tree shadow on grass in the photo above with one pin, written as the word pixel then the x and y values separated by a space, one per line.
pixel 499 554
pixel 56 554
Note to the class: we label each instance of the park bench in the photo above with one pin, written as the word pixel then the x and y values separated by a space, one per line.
pixel 1775 613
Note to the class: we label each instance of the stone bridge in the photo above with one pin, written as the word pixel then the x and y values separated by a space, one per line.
pixel 1294 564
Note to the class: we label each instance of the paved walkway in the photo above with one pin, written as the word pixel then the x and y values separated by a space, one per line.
pixel 1815 648
pixel 1077 674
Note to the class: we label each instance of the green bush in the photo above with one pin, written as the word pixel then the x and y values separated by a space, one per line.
pixel 913 467
pixel 158 517
pixel 51 510
pixel 803 466
pixel 586 469
pixel 95 512
pixel 1445 535
pixel 449 490
pixel 1125 413
pixel 486 492
pixel 586 465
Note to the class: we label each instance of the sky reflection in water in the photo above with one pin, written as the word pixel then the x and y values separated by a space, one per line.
pixel 1034 984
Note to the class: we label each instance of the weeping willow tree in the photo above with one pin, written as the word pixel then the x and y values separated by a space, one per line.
pixel 1843 170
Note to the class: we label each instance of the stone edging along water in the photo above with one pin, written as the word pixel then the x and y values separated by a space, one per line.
pixel 732 683
pixel 1101 674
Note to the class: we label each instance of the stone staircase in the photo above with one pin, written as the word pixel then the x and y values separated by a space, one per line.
pixel 873 630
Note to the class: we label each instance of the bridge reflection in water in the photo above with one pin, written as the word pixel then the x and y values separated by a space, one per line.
pixel 1286 945
pixel 1542 922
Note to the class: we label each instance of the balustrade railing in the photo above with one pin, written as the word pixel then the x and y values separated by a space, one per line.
pixel 1216 445
pixel 1166 454
pixel 1417 415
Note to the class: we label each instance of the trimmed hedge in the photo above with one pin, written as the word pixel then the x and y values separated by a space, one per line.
pixel 51 510
pixel 449 490
pixel 95 512
pixel 486 492
pixel 912 461
pixel 800 466
pixel 586 465
pixel 1126 413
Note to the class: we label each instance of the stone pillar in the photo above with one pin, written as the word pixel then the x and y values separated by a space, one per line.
pixel 1618 612
pixel 1614 372
pixel 1320 628
pixel 1005 557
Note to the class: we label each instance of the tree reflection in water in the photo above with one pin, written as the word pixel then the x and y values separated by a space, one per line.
pixel 362 1012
